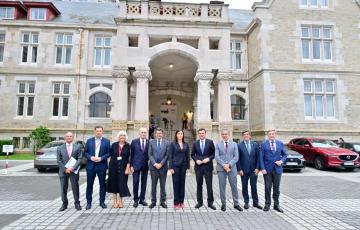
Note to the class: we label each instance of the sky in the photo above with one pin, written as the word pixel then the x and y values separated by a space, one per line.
pixel 233 4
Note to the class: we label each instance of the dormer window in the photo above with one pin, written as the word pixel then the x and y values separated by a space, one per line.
pixel 38 14
pixel 7 12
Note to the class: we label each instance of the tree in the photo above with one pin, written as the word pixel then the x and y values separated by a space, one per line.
pixel 40 137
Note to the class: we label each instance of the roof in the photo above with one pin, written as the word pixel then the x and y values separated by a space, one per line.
pixel 241 18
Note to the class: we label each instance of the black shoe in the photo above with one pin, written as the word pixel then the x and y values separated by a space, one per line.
pixel 88 206
pixel 198 205
pixel 277 208
pixel 103 205
pixel 63 207
pixel 143 203
pixel 162 204
pixel 152 205
pixel 266 208
pixel 237 207
pixel 223 207
pixel 257 206
pixel 211 206
pixel 136 204
pixel 78 207
pixel 246 206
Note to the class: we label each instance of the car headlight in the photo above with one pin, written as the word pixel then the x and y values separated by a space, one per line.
pixel 332 155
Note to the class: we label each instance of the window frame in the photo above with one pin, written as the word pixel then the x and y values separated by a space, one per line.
pixel 26 95
pixel 30 44
pixel 233 53
pixel 64 46
pixel 61 95
pixel 103 47
pixel 6 13
pixel 33 17
pixel 2 46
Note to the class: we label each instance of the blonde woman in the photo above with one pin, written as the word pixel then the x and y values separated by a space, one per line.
pixel 119 168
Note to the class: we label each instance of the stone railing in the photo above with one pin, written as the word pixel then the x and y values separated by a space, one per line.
pixel 173 11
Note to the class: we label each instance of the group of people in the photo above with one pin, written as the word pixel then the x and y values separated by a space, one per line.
pixel 159 156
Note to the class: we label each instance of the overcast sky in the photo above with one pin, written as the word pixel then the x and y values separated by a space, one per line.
pixel 234 4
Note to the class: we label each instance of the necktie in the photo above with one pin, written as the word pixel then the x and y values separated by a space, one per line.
pixel 158 151
pixel 272 146
pixel 248 147
pixel 142 146
pixel 69 150
pixel 226 146
pixel 202 147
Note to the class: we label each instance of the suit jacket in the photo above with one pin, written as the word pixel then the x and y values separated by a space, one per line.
pixel 104 153
pixel 268 157
pixel 248 162
pixel 231 156
pixel 209 152
pixel 164 154
pixel 63 157
pixel 139 158
pixel 179 157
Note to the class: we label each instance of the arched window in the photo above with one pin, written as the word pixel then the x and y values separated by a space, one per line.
pixel 100 105
pixel 237 107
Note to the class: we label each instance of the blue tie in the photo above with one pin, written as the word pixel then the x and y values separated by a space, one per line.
pixel 202 146
pixel 158 152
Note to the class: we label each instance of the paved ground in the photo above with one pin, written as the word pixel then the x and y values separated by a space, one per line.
pixel 312 200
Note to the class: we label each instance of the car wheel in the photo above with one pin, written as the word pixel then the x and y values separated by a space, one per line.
pixel 319 163
pixel 41 169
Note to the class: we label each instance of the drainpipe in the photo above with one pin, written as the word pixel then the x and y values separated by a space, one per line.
pixel 247 76
pixel 78 73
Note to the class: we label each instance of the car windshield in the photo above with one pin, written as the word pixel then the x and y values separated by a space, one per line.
pixel 321 143
pixel 357 147
pixel 53 144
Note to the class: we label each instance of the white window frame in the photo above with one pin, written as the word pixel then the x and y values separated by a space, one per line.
pixel 26 95
pixel 35 14
pixel 2 46
pixel 318 5
pixel 234 52
pixel 102 47
pixel 321 39
pixel 323 93
pixel 7 12
pixel 31 44
pixel 61 95
pixel 64 45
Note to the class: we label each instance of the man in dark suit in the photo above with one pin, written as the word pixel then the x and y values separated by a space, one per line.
pixel 139 166
pixel 203 153
pixel 64 153
pixel 97 151
pixel 158 156
pixel 248 168
pixel 272 157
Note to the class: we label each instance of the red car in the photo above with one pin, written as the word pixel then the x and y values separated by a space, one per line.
pixel 324 153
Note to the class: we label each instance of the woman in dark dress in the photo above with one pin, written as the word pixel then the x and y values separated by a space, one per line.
pixel 119 168
pixel 179 162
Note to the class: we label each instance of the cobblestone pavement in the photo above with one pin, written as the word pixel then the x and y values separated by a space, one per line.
pixel 311 200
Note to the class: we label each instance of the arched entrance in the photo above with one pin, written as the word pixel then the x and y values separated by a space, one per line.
pixel 172 91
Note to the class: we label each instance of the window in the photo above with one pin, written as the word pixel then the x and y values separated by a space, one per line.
pixel 214 44
pixel 26 143
pixel 16 142
pixel 2 46
pixel 7 12
pixel 29 47
pixel 102 50
pixel 133 41
pixel 63 47
pixel 314 3
pixel 38 14
pixel 319 98
pixel 100 105
pixel 316 43
pixel 25 98
pixel 60 99
pixel 235 55
pixel 237 107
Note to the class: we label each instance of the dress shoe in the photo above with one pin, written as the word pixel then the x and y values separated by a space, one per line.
pixel 237 207
pixel 277 208
pixel 143 203
pixel 102 205
pixel 136 204
pixel 212 206
pixel 223 207
pixel 266 208
pixel 162 204
pixel 77 207
pixel 152 205
pixel 88 206
pixel 257 206
pixel 198 205
pixel 63 207
pixel 246 206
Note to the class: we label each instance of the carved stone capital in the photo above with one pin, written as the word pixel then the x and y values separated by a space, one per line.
pixel 203 76
pixel 121 74
pixel 142 74
pixel 119 125
pixel 223 77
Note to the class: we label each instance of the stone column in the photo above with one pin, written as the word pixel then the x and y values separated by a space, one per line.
pixel 223 101
pixel 203 118
pixel 119 113
pixel 141 117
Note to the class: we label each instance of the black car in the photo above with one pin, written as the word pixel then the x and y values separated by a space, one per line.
pixel 355 147
pixel 294 161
